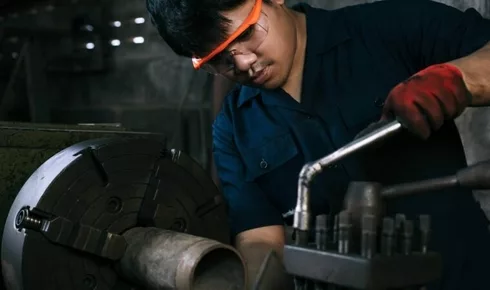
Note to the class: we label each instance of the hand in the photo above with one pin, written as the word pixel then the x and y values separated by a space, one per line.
pixel 424 101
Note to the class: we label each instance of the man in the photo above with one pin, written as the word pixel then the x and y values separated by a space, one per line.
pixel 310 81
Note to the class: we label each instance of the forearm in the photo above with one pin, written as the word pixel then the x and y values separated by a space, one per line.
pixel 476 74
pixel 264 267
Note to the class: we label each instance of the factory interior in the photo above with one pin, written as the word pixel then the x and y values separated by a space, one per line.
pixel 107 176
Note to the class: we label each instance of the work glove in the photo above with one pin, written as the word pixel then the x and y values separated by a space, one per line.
pixel 424 101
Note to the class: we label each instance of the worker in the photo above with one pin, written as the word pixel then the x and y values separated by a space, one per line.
pixel 309 80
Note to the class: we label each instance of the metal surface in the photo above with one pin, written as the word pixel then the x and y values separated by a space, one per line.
pixel 161 259
pixel 473 177
pixel 93 191
pixel 24 147
pixel 352 259
pixel 403 265
pixel 302 211
pixel 354 271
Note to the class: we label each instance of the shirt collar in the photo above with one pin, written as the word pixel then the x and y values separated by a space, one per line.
pixel 325 29
pixel 246 94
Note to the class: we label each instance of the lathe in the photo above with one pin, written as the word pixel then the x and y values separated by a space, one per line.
pixel 106 208
pixel 100 207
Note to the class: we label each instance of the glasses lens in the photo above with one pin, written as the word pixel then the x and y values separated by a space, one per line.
pixel 246 43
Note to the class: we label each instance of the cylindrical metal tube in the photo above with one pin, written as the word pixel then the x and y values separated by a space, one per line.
pixel 161 259
pixel 321 225
pixel 419 187
pixel 399 234
pixel 345 232
pixel 424 227
pixel 388 232
pixel 335 238
pixel 407 237
pixel 369 236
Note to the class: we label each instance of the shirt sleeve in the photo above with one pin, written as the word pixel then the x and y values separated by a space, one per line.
pixel 425 32
pixel 248 205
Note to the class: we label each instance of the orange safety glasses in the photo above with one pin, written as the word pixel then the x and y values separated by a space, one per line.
pixel 251 19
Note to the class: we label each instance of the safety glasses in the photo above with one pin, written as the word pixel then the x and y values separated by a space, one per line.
pixel 245 39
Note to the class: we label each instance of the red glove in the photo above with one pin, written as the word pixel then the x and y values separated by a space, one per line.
pixel 424 101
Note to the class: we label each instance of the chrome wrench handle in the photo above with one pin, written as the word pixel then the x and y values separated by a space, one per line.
pixel 302 213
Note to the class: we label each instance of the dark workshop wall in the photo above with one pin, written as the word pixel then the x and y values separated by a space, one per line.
pixel 114 71
pixel 144 86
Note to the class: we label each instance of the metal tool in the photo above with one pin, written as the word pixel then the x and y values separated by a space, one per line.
pixel 302 211
pixel 26 146
pixel 369 236
pixel 321 235
pixel 407 235
pixel 402 261
pixel 424 226
pixel 387 239
pixel 345 232
pixel 99 204
pixel 368 197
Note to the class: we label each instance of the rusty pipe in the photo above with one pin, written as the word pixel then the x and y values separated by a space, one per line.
pixel 302 217
pixel 162 259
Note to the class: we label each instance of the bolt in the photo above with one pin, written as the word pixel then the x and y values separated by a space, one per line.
pixel 89 282
pixel 24 219
pixel 114 205
pixel 179 225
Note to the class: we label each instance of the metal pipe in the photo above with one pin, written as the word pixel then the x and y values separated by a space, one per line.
pixel 162 259
pixel 310 170
pixel 419 187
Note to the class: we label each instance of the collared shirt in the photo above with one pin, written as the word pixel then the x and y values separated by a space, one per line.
pixel 354 57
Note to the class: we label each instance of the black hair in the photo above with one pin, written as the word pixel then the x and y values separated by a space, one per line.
pixel 191 27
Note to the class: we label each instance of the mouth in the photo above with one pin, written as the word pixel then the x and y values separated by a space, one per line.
pixel 260 77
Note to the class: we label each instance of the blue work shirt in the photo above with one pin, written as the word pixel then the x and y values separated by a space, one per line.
pixel 354 57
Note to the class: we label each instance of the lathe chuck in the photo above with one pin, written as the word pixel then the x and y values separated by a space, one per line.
pixel 64 229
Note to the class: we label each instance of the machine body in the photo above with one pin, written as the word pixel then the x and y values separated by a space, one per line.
pixel 102 213
pixel 361 247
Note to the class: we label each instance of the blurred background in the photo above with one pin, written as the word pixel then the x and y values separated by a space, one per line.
pixel 101 61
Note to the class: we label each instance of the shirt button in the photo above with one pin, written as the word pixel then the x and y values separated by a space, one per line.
pixel 379 103
pixel 263 164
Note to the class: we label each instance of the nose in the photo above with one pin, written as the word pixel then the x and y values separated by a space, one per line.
pixel 243 62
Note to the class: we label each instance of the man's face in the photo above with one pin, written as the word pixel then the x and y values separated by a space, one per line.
pixel 269 64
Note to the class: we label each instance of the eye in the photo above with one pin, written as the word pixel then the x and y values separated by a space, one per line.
pixel 246 34
pixel 217 59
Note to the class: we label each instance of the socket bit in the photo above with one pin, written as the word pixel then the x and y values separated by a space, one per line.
pixel 424 227
pixel 368 243
pixel 387 239
pixel 399 221
pixel 336 229
pixel 345 225
pixel 407 237
pixel 321 223
pixel 300 284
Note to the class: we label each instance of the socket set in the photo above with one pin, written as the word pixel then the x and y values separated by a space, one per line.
pixel 370 253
